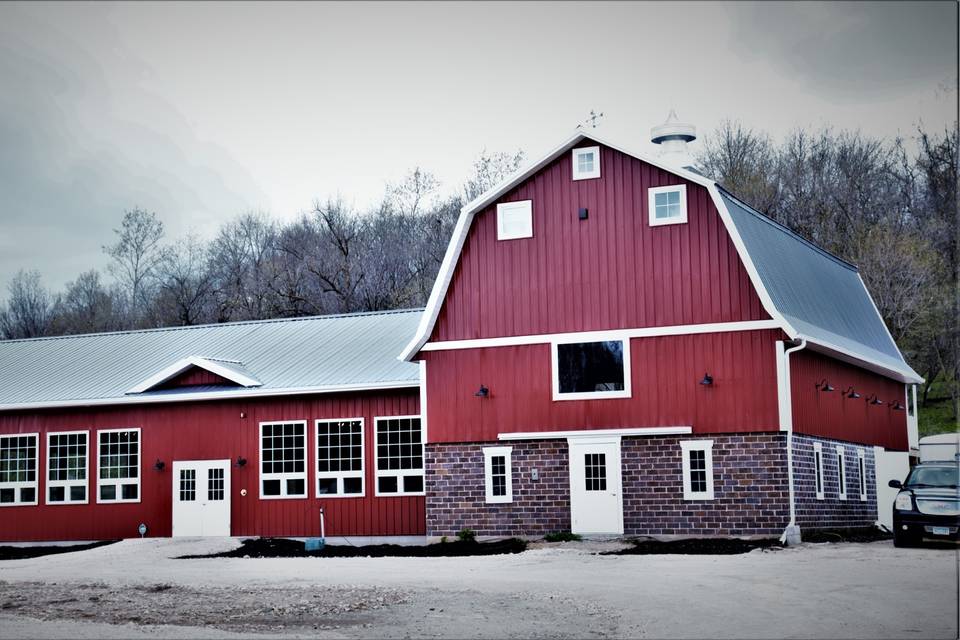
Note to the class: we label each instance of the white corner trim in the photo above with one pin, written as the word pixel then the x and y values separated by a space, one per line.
pixel 686 446
pixel 184 364
pixel 652 192
pixel 599 336
pixel 575 158
pixel 582 433
pixel 626 392
pixel 423 402
pixel 488 455
pixel 783 393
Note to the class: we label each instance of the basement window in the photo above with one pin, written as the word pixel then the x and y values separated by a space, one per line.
pixel 399 456
pixel 18 469
pixel 586 163
pixel 818 469
pixel 118 466
pixel 862 473
pixel 697 469
pixel 498 474
pixel 667 205
pixel 283 453
pixel 841 475
pixel 515 220
pixel 67 467
pixel 589 370
pixel 339 458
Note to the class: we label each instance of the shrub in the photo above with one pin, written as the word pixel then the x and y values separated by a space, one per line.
pixel 562 536
pixel 467 535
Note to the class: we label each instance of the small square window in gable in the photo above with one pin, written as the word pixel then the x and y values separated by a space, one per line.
pixel 515 220
pixel 667 205
pixel 586 163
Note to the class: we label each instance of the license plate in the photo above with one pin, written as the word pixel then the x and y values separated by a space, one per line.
pixel 941 531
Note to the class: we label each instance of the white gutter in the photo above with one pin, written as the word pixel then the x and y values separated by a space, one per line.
pixel 791 535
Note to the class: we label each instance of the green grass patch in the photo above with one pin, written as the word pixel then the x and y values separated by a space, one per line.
pixel 936 417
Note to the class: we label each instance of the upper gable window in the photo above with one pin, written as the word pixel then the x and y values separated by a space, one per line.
pixel 668 205
pixel 515 220
pixel 586 163
pixel 586 370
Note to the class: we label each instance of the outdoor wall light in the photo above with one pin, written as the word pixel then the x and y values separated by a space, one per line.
pixel 823 385
pixel 159 464
pixel 241 462
pixel 707 380
pixel 874 400
pixel 850 392
pixel 482 392
pixel 896 406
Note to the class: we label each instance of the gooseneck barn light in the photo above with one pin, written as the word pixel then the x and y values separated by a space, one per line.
pixel 850 392
pixel 823 385
pixel 707 380
pixel 159 464
pixel 482 392
pixel 896 406
pixel 874 400
pixel 241 462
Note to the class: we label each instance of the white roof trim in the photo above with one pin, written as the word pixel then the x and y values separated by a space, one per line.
pixel 557 435
pixel 226 394
pixel 209 364
pixel 905 375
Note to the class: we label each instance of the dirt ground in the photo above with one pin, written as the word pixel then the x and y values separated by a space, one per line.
pixel 136 589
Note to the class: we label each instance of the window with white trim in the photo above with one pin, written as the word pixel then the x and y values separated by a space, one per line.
pixel 911 400
pixel 841 475
pixel 697 469
pixel 283 456
pixel 862 473
pixel 515 220
pixel 339 458
pixel 399 456
pixel 18 469
pixel 667 205
pixel 586 163
pixel 118 465
pixel 587 370
pixel 818 469
pixel 498 474
pixel 67 460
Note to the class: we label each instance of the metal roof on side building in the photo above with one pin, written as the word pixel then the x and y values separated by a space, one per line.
pixel 307 355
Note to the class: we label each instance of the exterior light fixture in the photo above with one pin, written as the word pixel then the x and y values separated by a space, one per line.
pixel 896 406
pixel 159 464
pixel 707 380
pixel 823 385
pixel 874 400
pixel 850 392
pixel 241 462
pixel 482 392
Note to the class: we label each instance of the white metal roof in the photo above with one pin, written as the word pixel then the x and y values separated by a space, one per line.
pixel 268 357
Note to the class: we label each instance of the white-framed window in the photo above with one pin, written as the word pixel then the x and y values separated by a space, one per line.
pixel 515 220
pixel 591 370
pixel 911 393
pixel 697 469
pixel 841 474
pixel 667 205
pixel 818 469
pixel 339 458
pixel 118 465
pixel 498 474
pixel 68 458
pixel 283 459
pixel 399 456
pixel 862 473
pixel 586 163
pixel 18 469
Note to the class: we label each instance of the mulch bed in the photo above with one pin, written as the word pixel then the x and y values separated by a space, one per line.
pixel 20 553
pixel 286 548
pixel 696 546
pixel 858 534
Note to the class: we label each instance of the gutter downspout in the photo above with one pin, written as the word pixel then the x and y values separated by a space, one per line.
pixel 791 535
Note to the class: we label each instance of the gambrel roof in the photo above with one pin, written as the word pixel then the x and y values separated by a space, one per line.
pixel 810 293
pixel 320 354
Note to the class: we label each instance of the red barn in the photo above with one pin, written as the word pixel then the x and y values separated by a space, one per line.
pixel 246 428
pixel 616 344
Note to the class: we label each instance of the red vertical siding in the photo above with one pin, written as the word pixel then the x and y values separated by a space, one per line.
pixel 833 415
pixel 195 376
pixel 215 430
pixel 665 372
pixel 612 270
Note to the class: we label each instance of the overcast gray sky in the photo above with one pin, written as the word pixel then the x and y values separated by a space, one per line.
pixel 202 111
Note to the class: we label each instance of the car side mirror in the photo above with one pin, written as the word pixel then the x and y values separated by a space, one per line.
pixel 895 484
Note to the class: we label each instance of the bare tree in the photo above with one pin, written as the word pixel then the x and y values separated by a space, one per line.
pixel 27 313
pixel 86 306
pixel 242 261
pixel 185 284
pixel 747 162
pixel 489 169
pixel 135 256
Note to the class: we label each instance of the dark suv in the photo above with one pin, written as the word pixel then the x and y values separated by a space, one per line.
pixel 928 505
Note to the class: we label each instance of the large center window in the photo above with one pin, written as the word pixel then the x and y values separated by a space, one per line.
pixel 585 370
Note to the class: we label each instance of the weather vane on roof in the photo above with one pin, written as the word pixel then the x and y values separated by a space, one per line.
pixel 592 120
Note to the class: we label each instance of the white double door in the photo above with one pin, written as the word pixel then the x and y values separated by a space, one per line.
pixel 201 498
pixel 596 496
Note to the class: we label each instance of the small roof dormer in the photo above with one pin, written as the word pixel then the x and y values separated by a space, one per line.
pixel 226 372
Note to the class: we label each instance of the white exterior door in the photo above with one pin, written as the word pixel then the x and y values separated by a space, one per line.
pixel 596 499
pixel 201 498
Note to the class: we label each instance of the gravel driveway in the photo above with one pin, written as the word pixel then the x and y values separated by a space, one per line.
pixel 135 589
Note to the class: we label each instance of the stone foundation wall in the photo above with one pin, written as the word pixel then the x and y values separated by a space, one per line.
pixel 831 511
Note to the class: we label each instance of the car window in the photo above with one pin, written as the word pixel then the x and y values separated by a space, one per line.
pixel 934 476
